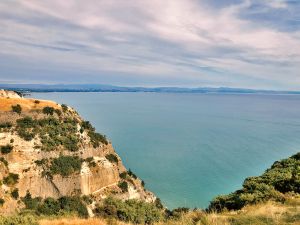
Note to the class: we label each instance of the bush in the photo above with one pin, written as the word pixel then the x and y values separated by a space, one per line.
pixel 133 211
pixel 97 138
pixel 36 101
pixel 15 193
pixel 123 185
pixel 48 110
pixel 2 201
pixel 65 165
pixel 123 175
pixel 18 220
pixel 130 173
pixel 282 177
pixel 31 203
pixel 3 161
pixel 64 107
pixel 11 179
pixel 112 158
pixel 16 108
pixel 6 149
pixel 49 207
pixel 73 204
pixel 5 125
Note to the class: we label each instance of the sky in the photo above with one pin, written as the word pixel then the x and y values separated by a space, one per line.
pixel 185 43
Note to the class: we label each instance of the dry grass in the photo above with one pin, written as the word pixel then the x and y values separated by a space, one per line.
pixel 72 221
pixel 27 104
pixel 269 213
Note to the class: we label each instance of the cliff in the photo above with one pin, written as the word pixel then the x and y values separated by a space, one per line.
pixel 48 150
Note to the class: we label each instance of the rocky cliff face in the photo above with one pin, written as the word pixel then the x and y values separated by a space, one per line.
pixel 48 150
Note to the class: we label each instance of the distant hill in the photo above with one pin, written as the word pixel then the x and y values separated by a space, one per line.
pixel 110 88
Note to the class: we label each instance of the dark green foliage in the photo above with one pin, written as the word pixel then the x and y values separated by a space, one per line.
pixel 51 206
pixel 130 173
pixel 26 122
pixel 123 185
pixel 133 211
pixel 11 179
pixel 158 203
pixel 5 125
pixel 4 161
pixel 73 204
pixel 15 193
pixel 97 138
pixel 282 177
pixel 58 112
pixel 6 149
pixel 112 158
pixel 87 125
pixel 143 183
pixel 65 165
pixel 16 108
pixel 123 175
pixel 48 110
pixel 53 132
pixel 31 203
pixel 64 107
pixel 2 201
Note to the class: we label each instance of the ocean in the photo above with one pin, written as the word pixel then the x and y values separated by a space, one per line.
pixel 189 148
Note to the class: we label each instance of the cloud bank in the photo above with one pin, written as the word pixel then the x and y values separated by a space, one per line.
pixel 251 43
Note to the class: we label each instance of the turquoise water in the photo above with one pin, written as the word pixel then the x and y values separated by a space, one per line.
pixel 191 147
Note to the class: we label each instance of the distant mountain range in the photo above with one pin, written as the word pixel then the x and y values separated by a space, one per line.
pixel 111 88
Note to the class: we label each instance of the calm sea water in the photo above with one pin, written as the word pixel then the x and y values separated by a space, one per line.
pixel 189 148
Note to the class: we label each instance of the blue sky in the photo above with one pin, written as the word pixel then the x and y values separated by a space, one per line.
pixel 190 43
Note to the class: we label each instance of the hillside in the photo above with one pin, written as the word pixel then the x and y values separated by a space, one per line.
pixel 49 152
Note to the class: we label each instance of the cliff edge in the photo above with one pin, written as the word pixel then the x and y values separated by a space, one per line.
pixel 48 150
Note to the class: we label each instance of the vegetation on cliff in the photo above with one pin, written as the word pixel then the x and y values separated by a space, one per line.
pixel 281 178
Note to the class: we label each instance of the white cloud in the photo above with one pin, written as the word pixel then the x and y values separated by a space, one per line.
pixel 152 38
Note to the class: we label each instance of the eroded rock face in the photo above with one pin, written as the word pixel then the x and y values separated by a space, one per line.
pixel 28 158
pixel 8 94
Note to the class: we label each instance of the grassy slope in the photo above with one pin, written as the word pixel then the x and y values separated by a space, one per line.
pixel 270 213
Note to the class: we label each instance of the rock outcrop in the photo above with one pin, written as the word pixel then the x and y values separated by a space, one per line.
pixel 48 150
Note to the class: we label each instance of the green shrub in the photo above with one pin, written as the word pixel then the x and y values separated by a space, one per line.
pixel 31 203
pixel 123 175
pixel 65 165
pixel 16 108
pixel 282 177
pixel 2 201
pixel 48 110
pixel 18 220
pixel 133 211
pixel 97 138
pixel 58 112
pixel 15 193
pixel 73 204
pixel 64 107
pixel 112 158
pixel 3 161
pixel 11 179
pixel 6 149
pixel 130 173
pixel 5 125
pixel 123 185
pixel 49 207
